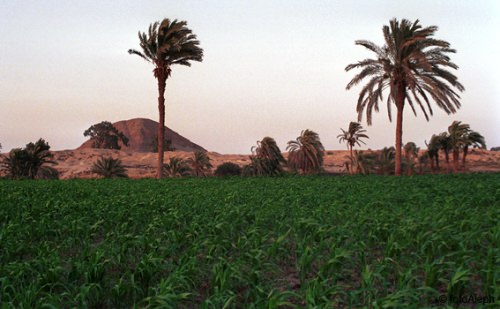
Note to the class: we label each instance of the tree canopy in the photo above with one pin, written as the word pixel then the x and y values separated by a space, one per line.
pixel 105 135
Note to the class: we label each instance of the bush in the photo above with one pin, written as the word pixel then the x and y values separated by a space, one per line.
pixel 176 167
pixel 108 167
pixel 228 169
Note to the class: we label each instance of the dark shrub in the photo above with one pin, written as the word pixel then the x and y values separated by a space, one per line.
pixel 228 169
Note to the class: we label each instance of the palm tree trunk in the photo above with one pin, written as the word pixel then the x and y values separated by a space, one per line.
pixel 399 131
pixel 447 159
pixel 352 160
pixel 455 159
pixel 466 150
pixel 162 81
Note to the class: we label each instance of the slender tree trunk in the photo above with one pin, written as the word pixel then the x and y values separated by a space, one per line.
pixel 466 150
pixel 161 124
pixel 399 130
pixel 456 158
pixel 408 164
pixel 433 168
pixel 447 159
pixel 352 160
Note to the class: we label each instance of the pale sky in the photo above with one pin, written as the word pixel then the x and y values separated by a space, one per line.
pixel 271 68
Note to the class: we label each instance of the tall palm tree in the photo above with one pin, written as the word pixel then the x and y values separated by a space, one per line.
pixel 167 43
pixel 474 139
pixel 306 152
pixel 200 163
pixel 266 158
pixel 413 66
pixel 352 136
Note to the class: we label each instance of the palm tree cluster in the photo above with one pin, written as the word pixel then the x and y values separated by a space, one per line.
pixel 305 155
pixel 374 162
pixel 266 159
pixel 414 68
pixel 198 165
pixel 31 162
pixel 458 138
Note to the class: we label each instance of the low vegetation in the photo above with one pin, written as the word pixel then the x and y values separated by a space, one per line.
pixel 276 242
pixel 228 169
pixel 108 167
pixel 176 167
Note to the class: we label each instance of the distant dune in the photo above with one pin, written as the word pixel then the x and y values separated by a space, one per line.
pixel 141 132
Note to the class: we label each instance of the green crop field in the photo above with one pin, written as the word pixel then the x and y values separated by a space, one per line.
pixel 327 242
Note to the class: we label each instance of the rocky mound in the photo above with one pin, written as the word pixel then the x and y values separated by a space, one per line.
pixel 142 131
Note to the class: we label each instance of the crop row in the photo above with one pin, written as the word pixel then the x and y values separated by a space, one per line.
pixel 249 242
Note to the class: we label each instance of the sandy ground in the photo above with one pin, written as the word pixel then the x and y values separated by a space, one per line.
pixel 77 163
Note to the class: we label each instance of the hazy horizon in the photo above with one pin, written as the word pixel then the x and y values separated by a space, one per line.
pixel 269 69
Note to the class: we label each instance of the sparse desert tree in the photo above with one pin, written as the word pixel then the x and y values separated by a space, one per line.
pixel 109 167
pixel 414 68
pixel 31 162
pixel 266 158
pixel 474 139
pixel 200 163
pixel 306 153
pixel 176 167
pixel 165 44
pixel 105 135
